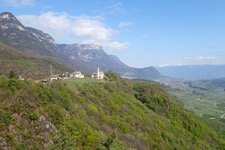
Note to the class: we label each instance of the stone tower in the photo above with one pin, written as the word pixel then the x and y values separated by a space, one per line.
pixel 98 73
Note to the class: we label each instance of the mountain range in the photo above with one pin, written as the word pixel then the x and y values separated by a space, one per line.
pixel 83 57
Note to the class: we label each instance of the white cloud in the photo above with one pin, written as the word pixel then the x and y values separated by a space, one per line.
pixel 199 58
pixel 167 65
pixel 117 9
pixel 92 28
pixel 124 24
pixel 211 58
pixel 164 65
pixel 72 29
pixel 117 45
pixel 19 3
pixel 205 58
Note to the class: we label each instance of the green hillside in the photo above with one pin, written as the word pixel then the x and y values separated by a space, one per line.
pixel 26 64
pixel 115 114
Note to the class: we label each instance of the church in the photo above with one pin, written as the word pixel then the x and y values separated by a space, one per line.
pixel 98 75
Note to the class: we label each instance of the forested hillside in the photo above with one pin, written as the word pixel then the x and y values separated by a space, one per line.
pixel 28 65
pixel 115 114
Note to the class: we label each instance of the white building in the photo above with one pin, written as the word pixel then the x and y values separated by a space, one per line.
pixel 98 75
pixel 54 77
pixel 77 74
pixel 21 78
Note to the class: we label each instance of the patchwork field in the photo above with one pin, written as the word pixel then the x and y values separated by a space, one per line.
pixel 201 97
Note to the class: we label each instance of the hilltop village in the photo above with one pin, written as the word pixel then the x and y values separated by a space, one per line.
pixel 77 74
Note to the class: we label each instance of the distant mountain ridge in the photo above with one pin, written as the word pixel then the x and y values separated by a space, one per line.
pixel 91 56
pixel 195 72
pixel 84 57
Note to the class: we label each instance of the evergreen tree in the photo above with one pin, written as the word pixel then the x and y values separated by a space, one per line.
pixel 12 74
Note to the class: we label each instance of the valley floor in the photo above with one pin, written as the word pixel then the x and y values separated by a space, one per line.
pixel 200 97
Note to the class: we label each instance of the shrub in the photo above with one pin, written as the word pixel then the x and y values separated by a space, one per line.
pixel 6 117
pixel 12 74
pixel 63 141
pixel 33 116
pixel 21 146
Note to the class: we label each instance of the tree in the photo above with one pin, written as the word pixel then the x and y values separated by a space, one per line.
pixel 12 74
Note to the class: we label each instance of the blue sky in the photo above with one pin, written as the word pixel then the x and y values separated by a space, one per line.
pixel 141 33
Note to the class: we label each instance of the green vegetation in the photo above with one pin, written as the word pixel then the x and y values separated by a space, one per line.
pixel 201 97
pixel 12 74
pixel 28 65
pixel 110 115
pixel 6 118
pixel 76 81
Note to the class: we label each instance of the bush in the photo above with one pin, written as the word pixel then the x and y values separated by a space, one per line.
pixel 33 116
pixel 21 146
pixel 63 141
pixel 112 143
pixel 6 117
pixel 12 74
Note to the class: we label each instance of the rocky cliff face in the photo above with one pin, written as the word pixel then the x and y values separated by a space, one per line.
pixel 15 34
pixel 91 56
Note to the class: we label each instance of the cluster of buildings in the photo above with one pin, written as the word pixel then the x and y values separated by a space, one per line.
pixel 77 74
pixel 66 75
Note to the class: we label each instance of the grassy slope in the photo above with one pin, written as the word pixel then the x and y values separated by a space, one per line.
pixel 26 64
pixel 116 114
pixel 76 81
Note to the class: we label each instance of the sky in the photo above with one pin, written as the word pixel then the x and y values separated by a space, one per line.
pixel 141 33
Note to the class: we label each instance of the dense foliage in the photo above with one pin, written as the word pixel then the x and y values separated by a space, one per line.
pixel 115 114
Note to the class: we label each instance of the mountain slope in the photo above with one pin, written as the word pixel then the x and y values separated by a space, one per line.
pixel 90 56
pixel 116 114
pixel 15 34
pixel 28 65
pixel 195 72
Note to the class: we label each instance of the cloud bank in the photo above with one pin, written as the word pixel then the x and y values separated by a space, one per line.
pixel 73 29
pixel 200 58
pixel 196 60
